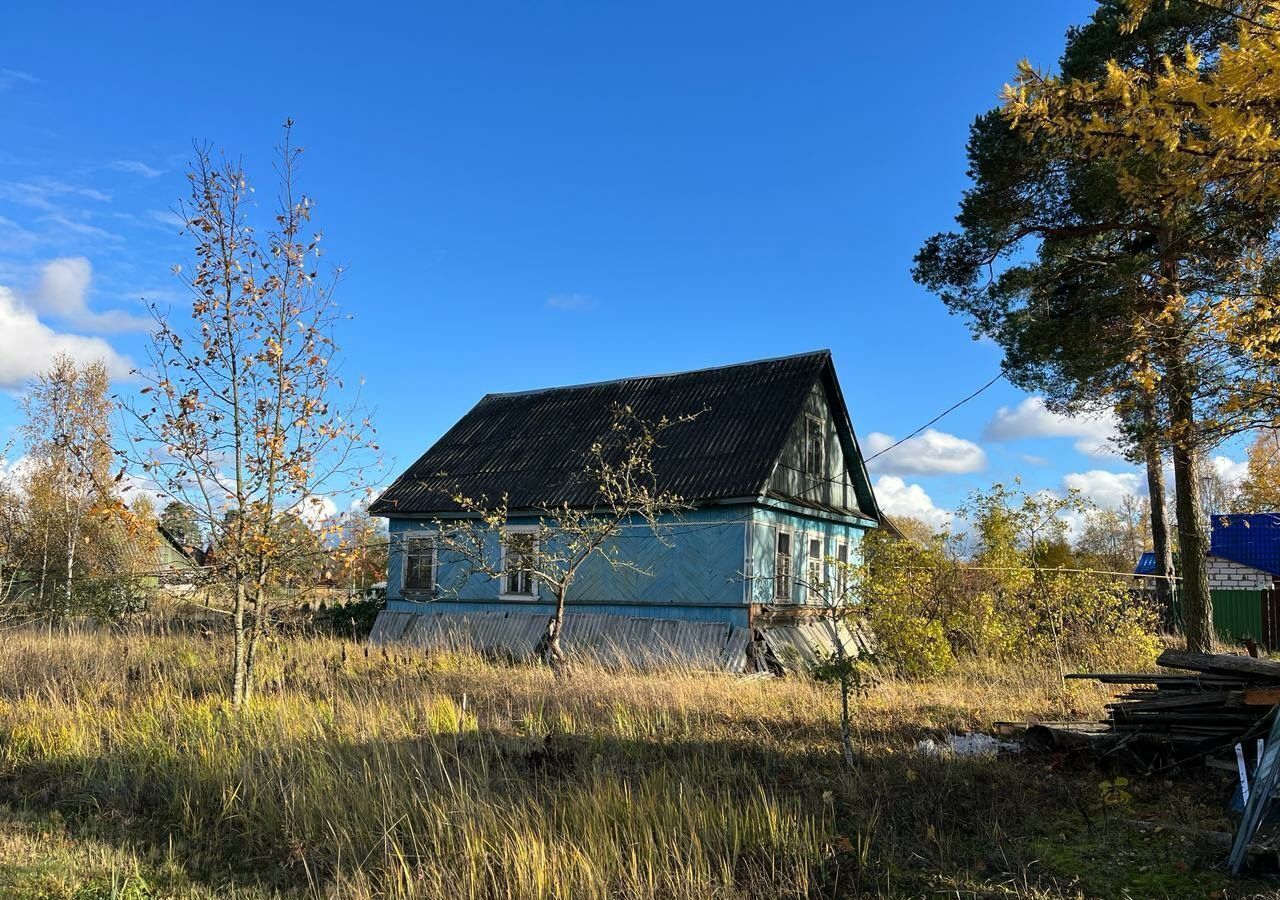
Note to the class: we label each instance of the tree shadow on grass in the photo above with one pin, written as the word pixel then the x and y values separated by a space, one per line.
pixel 897 823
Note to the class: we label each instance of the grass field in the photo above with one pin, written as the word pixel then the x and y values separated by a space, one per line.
pixel 388 774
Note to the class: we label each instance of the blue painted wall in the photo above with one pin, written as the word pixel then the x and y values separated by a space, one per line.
pixel 765 525
pixel 704 565
pixel 694 566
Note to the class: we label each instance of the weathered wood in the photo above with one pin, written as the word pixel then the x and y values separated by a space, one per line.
pixel 1262 697
pixel 1157 678
pixel 1208 699
pixel 1222 664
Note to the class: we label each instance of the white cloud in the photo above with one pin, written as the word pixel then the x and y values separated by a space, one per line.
pixel 13 471
pixel 28 346
pixel 39 193
pixel 929 453
pixel 1229 470
pixel 84 229
pixel 898 498
pixel 16 239
pixel 1106 489
pixel 12 78
pixel 571 302
pixel 1095 435
pixel 134 167
pixel 167 217
pixel 63 292
pixel 316 510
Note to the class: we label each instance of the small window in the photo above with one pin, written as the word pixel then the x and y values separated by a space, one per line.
pixel 518 562
pixel 782 568
pixel 420 564
pixel 814 435
pixel 842 569
pixel 815 566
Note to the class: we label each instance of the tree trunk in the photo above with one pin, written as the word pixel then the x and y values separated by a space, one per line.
pixel 240 660
pixel 846 730
pixel 549 646
pixel 1160 532
pixel 44 566
pixel 1193 539
pixel 71 568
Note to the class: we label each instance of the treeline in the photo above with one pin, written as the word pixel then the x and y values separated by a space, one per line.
pixel 1013 587
pixel 79 538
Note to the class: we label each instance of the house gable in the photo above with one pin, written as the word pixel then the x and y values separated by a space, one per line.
pixel 841 483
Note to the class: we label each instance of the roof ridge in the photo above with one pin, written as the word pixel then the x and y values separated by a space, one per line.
pixel 823 353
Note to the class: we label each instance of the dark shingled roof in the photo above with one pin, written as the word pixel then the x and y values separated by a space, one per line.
pixel 530 446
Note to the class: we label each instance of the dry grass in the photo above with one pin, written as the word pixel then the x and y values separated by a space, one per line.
pixel 369 773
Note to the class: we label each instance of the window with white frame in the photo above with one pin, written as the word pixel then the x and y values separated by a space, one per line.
pixel 519 559
pixel 814 446
pixel 815 568
pixel 782 567
pixel 842 569
pixel 419 563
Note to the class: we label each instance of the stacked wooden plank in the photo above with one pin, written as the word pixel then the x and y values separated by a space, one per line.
pixel 1213 701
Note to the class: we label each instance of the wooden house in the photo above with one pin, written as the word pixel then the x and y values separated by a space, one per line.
pixel 770 469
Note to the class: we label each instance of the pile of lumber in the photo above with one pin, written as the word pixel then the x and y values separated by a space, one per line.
pixel 1201 710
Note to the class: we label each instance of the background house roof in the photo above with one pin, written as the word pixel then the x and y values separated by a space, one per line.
pixel 530 446
pixel 1249 538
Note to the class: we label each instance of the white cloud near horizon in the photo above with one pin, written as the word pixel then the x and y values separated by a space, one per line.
pixel 1107 490
pixel 1232 472
pixel 1095 435
pixel 136 167
pixel 28 346
pixel 898 498
pixel 63 292
pixel 931 452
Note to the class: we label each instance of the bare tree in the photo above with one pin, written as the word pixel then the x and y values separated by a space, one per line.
pixel 240 418
pixel 550 552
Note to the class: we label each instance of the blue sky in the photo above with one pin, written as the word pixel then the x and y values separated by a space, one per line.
pixel 536 194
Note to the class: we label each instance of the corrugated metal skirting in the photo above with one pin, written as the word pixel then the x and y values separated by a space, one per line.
pixel 623 641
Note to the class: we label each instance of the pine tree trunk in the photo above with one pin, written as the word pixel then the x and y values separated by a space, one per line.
pixel 1161 543
pixel 1193 539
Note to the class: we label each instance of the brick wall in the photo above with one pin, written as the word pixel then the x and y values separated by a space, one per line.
pixel 1225 575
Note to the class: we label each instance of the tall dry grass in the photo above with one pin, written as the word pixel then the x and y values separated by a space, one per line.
pixel 362 773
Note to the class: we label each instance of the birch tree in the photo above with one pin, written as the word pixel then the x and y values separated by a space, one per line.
pixel 68 443
pixel 240 418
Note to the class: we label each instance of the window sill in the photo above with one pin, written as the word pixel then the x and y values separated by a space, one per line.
pixel 520 598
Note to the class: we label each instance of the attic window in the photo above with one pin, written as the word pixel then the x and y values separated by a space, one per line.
pixel 782 568
pixel 814 433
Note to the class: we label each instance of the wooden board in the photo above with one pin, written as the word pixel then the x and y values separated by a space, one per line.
pixel 1222 664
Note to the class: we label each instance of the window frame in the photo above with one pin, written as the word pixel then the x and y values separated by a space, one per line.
pixel 407 539
pixel 842 569
pixel 779 577
pixel 504 593
pixel 814 564
pixel 820 445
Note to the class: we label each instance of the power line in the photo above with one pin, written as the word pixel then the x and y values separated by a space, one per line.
pixel 938 417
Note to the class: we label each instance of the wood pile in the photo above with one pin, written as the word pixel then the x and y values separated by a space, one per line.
pixel 1200 712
